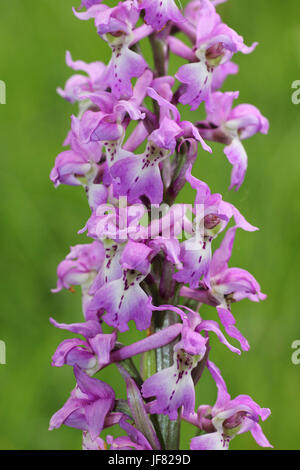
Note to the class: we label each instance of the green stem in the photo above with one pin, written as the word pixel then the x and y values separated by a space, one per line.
pixel 159 55
pixel 166 292
pixel 170 430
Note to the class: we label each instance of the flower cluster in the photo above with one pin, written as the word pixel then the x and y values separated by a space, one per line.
pixel 132 153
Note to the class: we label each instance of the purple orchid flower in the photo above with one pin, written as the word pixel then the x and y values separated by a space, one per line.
pixel 124 225
pixel 139 175
pixel 123 299
pixel 77 166
pixel 78 85
pixel 132 152
pixel 215 44
pixel 97 350
pixel 231 125
pixel 80 266
pixel 89 404
pixel 170 119
pixel 115 26
pixel 228 418
pixel 173 387
pixel 89 355
pixel 111 268
pixel 225 285
pixel 161 143
pixel 106 124
pixel 231 285
pixel 213 219
pixel 207 326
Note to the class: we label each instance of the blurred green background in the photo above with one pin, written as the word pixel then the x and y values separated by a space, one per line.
pixel 40 223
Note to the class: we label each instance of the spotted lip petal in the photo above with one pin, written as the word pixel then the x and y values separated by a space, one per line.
pixel 139 175
pixel 195 256
pixel 110 269
pixel 212 441
pixel 172 388
pixel 124 65
pixel 136 256
pixel 123 300
pixel 197 80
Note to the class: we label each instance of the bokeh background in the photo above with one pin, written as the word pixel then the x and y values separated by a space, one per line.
pixel 39 223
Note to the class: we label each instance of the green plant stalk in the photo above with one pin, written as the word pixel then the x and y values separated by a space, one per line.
pixel 167 291
pixel 170 430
